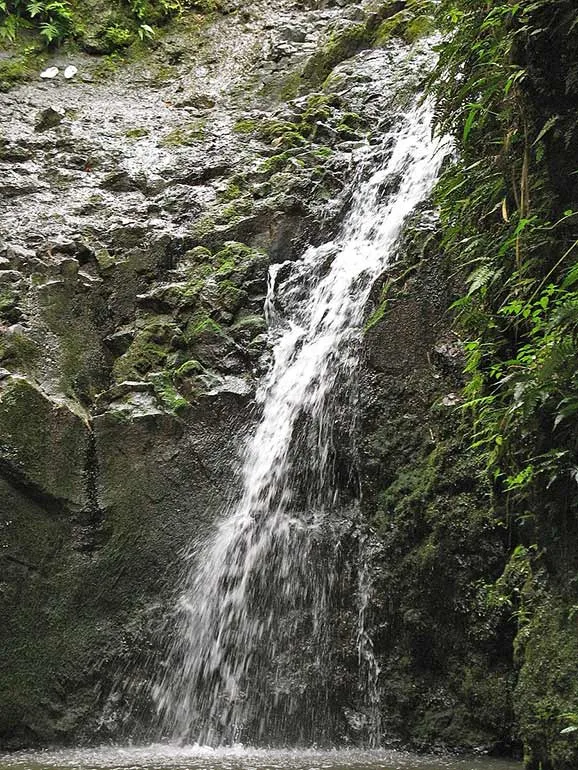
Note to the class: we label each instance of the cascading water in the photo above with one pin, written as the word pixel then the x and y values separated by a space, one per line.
pixel 254 634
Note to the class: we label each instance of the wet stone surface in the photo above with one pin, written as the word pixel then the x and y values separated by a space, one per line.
pixel 137 228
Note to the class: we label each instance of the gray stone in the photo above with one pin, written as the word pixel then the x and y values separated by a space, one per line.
pixel 50 117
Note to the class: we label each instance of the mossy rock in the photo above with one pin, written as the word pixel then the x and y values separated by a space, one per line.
pixel 247 328
pixel 345 42
pixel 547 690
pixel 410 24
pixel 18 68
pixel 186 135
pixel 19 352
pixel 340 46
pixel 149 350
pixel 44 443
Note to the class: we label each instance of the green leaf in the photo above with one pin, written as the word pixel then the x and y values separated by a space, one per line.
pixel 474 109
pixel 550 123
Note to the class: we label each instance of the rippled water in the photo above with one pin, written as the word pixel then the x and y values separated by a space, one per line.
pixel 239 758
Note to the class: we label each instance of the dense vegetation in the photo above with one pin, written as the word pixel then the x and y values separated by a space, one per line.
pixel 57 20
pixel 507 89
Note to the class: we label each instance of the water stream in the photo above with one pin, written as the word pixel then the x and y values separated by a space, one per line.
pixel 254 632
pixel 165 757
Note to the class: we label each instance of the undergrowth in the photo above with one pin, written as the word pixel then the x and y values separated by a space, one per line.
pixel 512 231
pixel 56 21
pixel 506 86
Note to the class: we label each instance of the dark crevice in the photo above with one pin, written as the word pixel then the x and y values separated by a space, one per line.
pixel 89 531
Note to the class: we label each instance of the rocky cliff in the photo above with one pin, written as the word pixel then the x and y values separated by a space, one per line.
pixel 143 201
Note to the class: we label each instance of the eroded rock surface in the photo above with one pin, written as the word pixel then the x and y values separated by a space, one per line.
pixel 141 205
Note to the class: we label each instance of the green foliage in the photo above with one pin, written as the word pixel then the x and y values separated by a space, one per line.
pixel 159 11
pixel 117 36
pixel 52 18
pixel 58 20
pixel 508 208
pixel 506 234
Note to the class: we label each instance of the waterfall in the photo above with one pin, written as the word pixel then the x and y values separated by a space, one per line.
pixel 253 637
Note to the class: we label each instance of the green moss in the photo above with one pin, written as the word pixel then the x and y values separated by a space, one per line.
pixel 231 192
pixel 19 352
pixel 235 255
pixel 116 36
pixel 227 267
pixel 322 152
pixel 189 367
pixel 204 327
pixel 250 326
pixel 291 139
pixel 166 391
pixel 320 108
pixel 186 135
pixel 137 133
pixel 141 357
pixel 231 297
pixel 548 684
pixel 379 313
pixel 17 68
pixel 415 21
pixel 283 88
pixel 198 255
pixel 340 46
pixel 275 163
pixel 246 126
pixel 236 209
pixel 44 440
pixel 149 351
pixel 104 258
pixel 108 66
pixel 8 300
pixel 203 227
pixel 164 74
pixel 420 27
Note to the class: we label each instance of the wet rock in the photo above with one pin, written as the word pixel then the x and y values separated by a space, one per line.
pixel 68 269
pixel 127 387
pixel 13 185
pixel 236 386
pixel 101 265
pixel 120 181
pixel 196 101
pixel 293 34
pixel 120 341
pixel 44 443
pixel 16 330
pixel 13 152
pixel 50 117
pixel 452 399
pixel 9 276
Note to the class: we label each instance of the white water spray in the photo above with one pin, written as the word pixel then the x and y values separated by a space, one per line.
pixel 254 609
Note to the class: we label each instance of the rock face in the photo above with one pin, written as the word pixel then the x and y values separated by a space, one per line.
pixel 445 656
pixel 138 230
